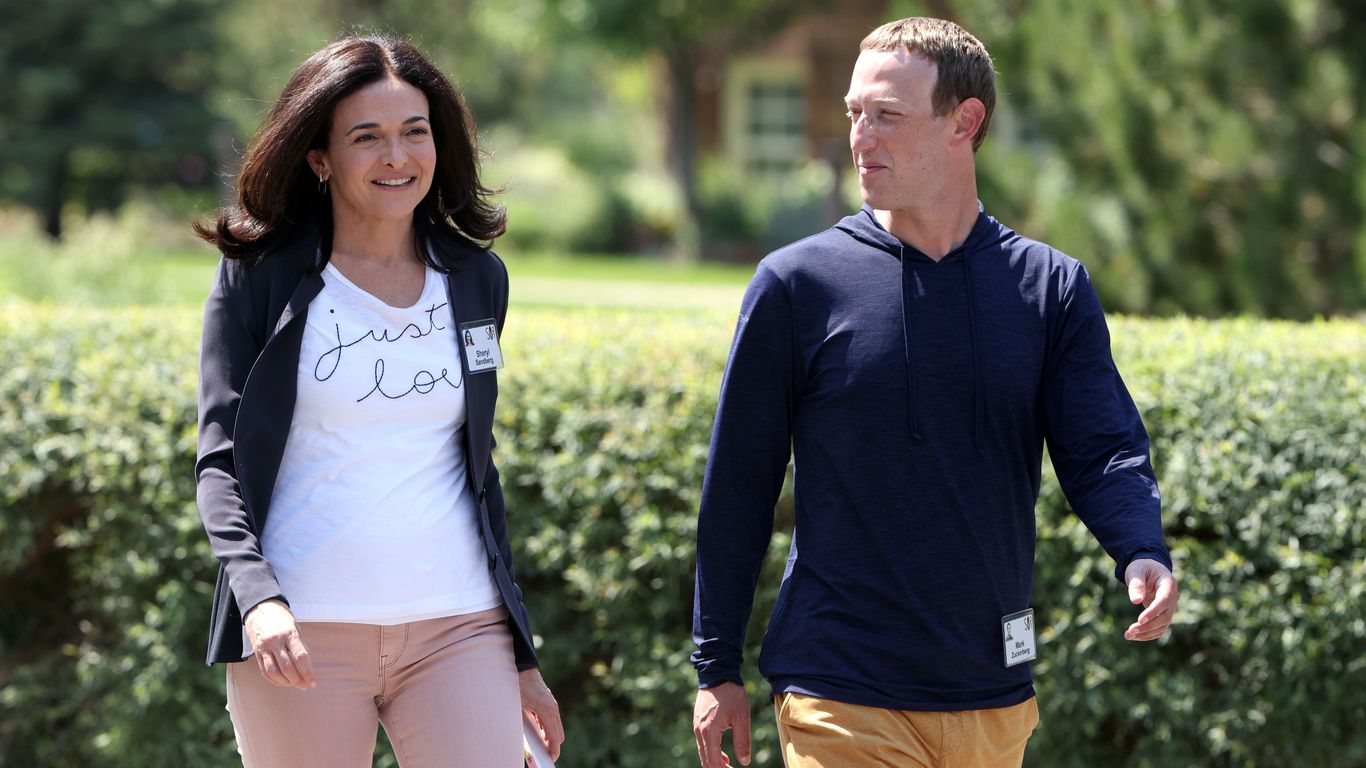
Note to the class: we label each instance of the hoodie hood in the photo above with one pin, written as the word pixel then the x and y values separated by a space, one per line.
pixel 865 228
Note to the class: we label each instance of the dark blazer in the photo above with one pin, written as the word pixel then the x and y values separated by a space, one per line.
pixel 248 365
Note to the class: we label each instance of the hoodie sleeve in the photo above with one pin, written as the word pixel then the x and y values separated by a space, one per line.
pixel 750 445
pixel 1095 436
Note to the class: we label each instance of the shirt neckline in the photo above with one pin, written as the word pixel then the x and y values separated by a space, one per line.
pixel 427 275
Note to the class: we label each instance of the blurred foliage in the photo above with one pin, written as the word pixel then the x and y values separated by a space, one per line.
pixel 742 222
pixel 682 34
pixel 105 575
pixel 105 260
pixel 102 98
pixel 567 130
pixel 559 204
pixel 494 53
pixel 555 203
pixel 1207 156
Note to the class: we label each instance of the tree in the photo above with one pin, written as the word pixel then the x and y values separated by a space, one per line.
pixel 1205 157
pixel 100 97
pixel 681 32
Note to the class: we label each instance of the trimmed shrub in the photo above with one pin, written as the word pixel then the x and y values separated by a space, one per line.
pixel 105 573
pixel 1257 430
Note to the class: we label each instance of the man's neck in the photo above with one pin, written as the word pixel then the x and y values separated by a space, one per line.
pixel 934 230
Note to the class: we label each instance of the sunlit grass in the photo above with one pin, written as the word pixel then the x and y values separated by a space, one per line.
pixel 642 282
pixel 651 269
pixel 639 294
pixel 137 259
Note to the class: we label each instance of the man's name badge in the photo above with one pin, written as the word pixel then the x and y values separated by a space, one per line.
pixel 1018 631
pixel 480 340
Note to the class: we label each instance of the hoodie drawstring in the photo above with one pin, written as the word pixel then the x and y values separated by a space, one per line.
pixel 864 228
pixel 910 358
pixel 977 417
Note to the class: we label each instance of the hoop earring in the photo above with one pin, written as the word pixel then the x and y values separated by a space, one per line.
pixel 322 185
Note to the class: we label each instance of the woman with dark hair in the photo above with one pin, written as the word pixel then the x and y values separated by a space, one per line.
pixel 345 472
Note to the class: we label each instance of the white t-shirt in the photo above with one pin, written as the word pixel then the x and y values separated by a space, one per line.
pixel 372 519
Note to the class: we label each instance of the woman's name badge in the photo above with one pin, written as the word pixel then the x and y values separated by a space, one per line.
pixel 480 340
pixel 1018 631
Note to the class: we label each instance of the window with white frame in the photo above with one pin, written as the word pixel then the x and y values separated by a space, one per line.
pixel 766 115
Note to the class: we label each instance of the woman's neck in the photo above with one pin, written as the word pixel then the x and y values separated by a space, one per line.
pixel 382 243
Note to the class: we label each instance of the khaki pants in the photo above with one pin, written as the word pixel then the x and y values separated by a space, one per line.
pixel 821 733
pixel 444 689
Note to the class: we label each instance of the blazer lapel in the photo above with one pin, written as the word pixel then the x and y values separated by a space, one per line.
pixel 467 291
pixel 267 405
pixel 310 285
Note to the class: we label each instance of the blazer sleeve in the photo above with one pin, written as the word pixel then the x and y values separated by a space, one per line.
pixel 233 335
pixel 493 490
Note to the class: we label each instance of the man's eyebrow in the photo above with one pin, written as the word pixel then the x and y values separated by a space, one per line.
pixel 850 100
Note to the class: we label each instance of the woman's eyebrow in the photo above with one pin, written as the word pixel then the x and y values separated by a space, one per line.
pixel 369 126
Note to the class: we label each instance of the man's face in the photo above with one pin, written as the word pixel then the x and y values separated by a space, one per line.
pixel 899 146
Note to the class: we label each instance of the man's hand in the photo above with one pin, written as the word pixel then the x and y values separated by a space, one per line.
pixel 1152 585
pixel 279 649
pixel 720 709
pixel 545 711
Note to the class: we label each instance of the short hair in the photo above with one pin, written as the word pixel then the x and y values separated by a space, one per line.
pixel 276 189
pixel 964 66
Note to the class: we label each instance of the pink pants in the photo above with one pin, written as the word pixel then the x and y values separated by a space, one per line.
pixel 444 689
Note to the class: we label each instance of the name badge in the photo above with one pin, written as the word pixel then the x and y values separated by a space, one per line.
pixel 1018 631
pixel 480 340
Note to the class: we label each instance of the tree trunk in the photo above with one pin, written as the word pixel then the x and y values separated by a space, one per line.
pixel 681 58
pixel 55 195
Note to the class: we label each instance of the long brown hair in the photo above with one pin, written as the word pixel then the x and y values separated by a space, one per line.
pixel 277 193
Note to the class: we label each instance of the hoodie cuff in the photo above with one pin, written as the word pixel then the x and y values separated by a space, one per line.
pixel 1160 554
pixel 713 679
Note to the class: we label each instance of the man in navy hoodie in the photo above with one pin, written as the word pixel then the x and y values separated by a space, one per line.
pixel 913 360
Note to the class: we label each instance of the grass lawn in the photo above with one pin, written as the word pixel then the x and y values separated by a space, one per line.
pixel 142 257
pixel 624 281
pixel 542 280
pixel 190 273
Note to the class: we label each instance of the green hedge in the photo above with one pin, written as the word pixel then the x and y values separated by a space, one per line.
pixel 1257 427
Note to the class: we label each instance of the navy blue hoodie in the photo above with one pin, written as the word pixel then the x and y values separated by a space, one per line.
pixel 915 398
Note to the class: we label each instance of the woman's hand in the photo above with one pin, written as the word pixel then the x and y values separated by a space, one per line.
pixel 280 651
pixel 538 701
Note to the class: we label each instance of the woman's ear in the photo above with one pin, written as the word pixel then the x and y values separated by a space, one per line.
pixel 317 160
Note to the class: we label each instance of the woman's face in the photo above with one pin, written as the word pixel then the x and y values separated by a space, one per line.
pixel 380 154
